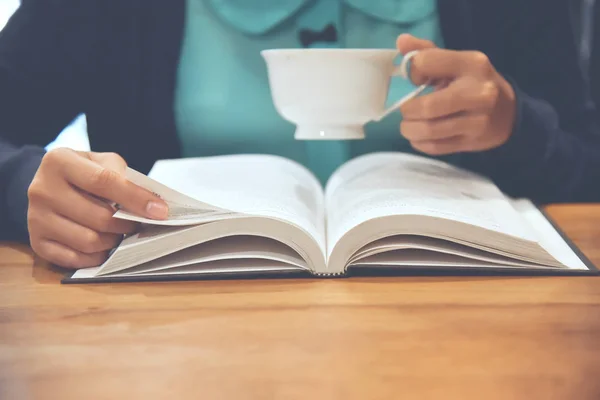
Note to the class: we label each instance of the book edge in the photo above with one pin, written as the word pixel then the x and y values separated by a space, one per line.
pixel 371 272
pixel 586 261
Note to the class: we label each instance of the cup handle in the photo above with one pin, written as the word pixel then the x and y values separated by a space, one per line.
pixel 403 70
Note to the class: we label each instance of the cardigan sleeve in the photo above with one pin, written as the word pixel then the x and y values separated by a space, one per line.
pixel 543 160
pixel 42 69
pixel 553 154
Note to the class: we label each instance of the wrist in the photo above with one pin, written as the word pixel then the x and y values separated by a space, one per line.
pixel 507 111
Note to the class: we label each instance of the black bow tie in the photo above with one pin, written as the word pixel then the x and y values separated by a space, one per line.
pixel 307 36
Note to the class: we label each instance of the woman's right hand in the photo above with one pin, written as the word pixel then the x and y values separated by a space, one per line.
pixel 70 218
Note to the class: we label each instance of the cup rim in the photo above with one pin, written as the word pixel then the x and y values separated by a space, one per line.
pixel 333 51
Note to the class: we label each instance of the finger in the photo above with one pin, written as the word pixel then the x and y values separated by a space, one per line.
pixel 57 228
pixel 63 256
pixel 434 65
pixel 111 161
pixel 90 212
pixel 407 43
pixel 448 145
pixel 111 185
pixel 469 125
pixel 80 207
pixel 462 95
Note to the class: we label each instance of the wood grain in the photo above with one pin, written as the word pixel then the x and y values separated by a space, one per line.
pixel 385 338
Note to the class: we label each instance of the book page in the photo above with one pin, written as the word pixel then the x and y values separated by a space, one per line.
pixel 221 267
pixel 227 186
pixel 183 210
pixel 401 243
pixel 226 248
pixel 210 253
pixel 425 258
pixel 384 184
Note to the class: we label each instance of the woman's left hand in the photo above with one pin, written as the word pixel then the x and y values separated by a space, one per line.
pixel 472 108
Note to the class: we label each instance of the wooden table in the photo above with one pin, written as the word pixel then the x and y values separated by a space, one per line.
pixel 393 338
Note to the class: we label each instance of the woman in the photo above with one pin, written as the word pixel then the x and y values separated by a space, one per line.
pixel 163 79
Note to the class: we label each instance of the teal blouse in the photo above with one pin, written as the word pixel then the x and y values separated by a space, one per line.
pixel 223 104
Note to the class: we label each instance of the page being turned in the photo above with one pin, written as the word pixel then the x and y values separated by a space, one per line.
pixel 260 185
pixel 183 209
pixel 383 184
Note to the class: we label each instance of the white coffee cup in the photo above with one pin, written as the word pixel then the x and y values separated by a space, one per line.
pixel 332 93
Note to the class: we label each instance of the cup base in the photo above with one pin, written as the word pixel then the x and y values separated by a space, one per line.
pixel 329 133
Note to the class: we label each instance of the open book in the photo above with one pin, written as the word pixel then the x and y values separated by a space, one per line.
pixel 257 214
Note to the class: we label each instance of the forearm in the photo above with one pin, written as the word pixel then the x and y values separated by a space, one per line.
pixel 42 81
pixel 18 165
pixel 545 159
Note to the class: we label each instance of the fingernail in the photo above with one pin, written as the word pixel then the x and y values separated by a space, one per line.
pixel 157 210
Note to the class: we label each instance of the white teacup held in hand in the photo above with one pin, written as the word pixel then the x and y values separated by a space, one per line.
pixel 332 93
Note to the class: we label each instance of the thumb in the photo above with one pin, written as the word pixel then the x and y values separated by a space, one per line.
pixel 109 184
pixel 407 43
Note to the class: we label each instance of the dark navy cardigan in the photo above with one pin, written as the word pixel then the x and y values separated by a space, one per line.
pixel 116 61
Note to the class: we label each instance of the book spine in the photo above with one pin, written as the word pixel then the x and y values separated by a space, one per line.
pixel 329 274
